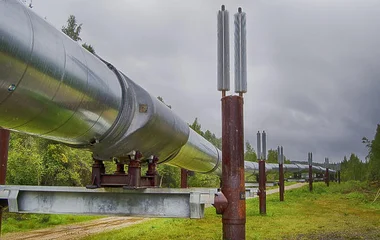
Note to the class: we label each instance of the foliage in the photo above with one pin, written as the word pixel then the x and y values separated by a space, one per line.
pixel 250 154
pixel 162 100
pixel 89 47
pixel 170 176
pixel 374 157
pixel 36 161
pixel 73 30
pixel 25 163
pixel 353 169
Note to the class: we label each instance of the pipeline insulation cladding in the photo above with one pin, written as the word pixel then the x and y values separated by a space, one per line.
pixel 223 45
pixel 240 52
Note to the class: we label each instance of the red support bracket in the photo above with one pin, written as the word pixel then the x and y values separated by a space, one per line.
pixel 220 202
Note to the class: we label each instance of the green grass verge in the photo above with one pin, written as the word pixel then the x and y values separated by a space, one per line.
pixel 340 211
pixel 14 222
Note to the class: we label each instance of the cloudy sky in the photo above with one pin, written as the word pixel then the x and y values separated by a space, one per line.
pixel 313 66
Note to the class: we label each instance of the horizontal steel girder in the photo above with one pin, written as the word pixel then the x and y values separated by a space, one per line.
pixel 150 202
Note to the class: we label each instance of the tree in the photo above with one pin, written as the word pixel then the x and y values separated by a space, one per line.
pixel 250 154
pixel 162 100
pixel 374 157
pixel 196 127
pixel 73 30
pixel 272 156
pixel 89 47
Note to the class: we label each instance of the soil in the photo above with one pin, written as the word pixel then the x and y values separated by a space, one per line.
pixel 76 231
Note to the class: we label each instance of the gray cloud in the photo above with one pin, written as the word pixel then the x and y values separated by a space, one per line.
pixel 313 66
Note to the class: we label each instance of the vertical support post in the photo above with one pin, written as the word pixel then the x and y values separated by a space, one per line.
pixel 280 154
pixel 120 168
pixel 310 178
pixel 339 177
pixel 281 168
pixel 338 172
pixel 4 147
pixel 327 174
pixel 262 188
pixel 134 171
pixel 184 178
pixel 234 216
pixel 97 170
pixel 152 171
pixel 310 160
pixel 262 178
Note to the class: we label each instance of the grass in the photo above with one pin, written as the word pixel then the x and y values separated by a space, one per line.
pixel 340 211
pixel 13 222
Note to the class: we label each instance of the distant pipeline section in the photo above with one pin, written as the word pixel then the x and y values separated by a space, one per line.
pixel 53 88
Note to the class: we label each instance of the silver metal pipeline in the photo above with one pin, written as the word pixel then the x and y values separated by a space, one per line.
pixel 53 88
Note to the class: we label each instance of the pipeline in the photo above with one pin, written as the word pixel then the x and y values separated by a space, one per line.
pixel 53 88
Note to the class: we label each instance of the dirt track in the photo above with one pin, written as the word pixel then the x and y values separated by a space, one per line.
pixel 80 230
pixel 76 231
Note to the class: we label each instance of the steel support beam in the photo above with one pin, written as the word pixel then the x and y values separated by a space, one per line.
pixel 234 215
pixel 282 181
pixel 150 202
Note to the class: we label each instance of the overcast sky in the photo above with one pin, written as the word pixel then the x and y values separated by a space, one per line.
pixel 313 66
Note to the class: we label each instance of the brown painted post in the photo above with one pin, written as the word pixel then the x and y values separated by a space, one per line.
pixel 4 145
pixel 233 167
pixel 262 188
pixel 327 174
pixel 184 178
pixel 339 177
pixel 282 181
pixel 280 156
pixel 310 178
pixel 134 171
pixel 152 171
pixel 310 160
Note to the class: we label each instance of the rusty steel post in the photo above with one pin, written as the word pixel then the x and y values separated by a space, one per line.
pixel 262 188
pixel 120 168
pixel 134 171
pixel 97 170
pixel 327 177
pixel 4 146
pixel 184 178
pixel 282 181
pixel 310 178
pixel 234 215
